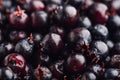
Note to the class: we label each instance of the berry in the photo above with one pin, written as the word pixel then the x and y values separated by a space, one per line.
pixel 25 47
pixel 70 14
pixel 52 44
pixel 100 48
pixel 89 76
pixel 16 36
pixel 115 61
pixel 16 62
pixel 36 5
pixel 77 61
pixel 57 69
pixel 100 32
pixel 84 22
pixel 98 11
pixel 111 73
pixel 80 34
pixel 39 19
pixel 18 19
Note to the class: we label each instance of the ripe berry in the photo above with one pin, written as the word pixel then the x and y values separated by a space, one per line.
pixel 16 36
pixel 115 61
pixel 37 37
pixel 57 30
pixel 70 14
pixel 100 32
pixel 56 1
pixel 89 76
pixel 36 5
pixel 111 73
pixel 97 13
pixel 100 48
pixel 78 63
pixel 18 19
pixel 57 69
pixel 5 48
pixel 113 22
pixel 52 44
pixel 16 62
pixel 8 74
pixel 25 47
pixel 80 34
pixel 39 19
pixel 84 22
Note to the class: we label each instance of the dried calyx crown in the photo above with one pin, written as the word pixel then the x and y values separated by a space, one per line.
pixel 92 56
pixel 19 11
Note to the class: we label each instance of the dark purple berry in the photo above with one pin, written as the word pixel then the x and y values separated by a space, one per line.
pixel 80 34
pixel 77 61
pixel 16 62
pixel 16 36
pixel 52 44
pixel 111 73
pixel 18 19
pixel 39 19
pixel 89 76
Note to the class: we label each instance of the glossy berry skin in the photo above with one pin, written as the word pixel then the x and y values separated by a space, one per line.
pixel 52 44
pixel 84 21
pixel 98 11
pixel 57 30
pixel 70 14
pixel 87 4
pixel 113 22
pixel 58 2
pixel 111 73
pixel 100 32
pixel 116 35
pixel 76 3
pixel 44 59
pixel 18 19
pixel 110 44
pixel 25 47
pixel 7 74
pixel 78 63
pixel 80 34
pixel 115 7
pixel 56 13
pixel 116 49
pixel 5 48
pixel 57 69
pixel 39 19
pixel 16 62
pixel 23 2
pixel 51 7
pixel 37 37
pixel 89 76
pixel 96 69
pixel 115 61
pixel 16 36
pixel 36 5
pixel 100 48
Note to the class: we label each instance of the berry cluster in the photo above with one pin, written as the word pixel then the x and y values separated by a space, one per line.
pixel 59 39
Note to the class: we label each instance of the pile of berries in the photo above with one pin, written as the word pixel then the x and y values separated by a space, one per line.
pixel 59 39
